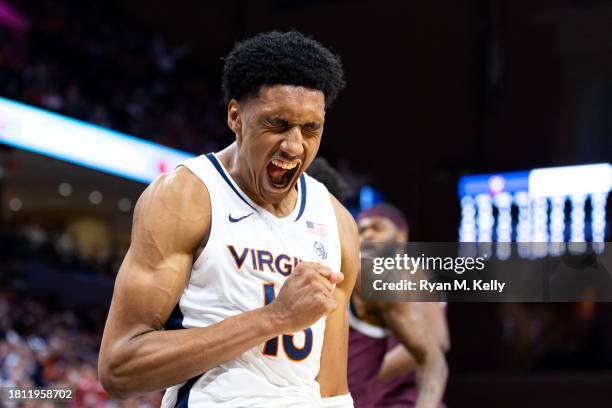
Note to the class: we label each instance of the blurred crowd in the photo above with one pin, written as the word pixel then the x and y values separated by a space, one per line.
pixel 77 59
pixel 42 342
pixel 58 249
pixel 44 346
pixel 81 60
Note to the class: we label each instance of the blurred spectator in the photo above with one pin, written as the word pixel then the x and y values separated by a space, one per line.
pixel 40 347
pixel 80 60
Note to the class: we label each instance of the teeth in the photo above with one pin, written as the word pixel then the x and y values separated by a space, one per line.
pixel 284 165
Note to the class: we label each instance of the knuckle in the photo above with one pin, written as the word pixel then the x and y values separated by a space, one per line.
pixel 305 265
pixel 312 277
pixel 320 297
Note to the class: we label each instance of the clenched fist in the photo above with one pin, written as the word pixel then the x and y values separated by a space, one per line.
pixel 305 296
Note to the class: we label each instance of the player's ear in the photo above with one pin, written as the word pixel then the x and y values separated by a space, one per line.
pixel 234 121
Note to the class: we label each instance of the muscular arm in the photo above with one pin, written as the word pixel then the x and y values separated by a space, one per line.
pixel 409 322
pixel 399 360
pixel 137 355
pixel 332 376
pixel 396 362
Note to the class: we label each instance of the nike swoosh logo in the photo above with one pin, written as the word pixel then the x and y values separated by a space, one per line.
pixel 232 219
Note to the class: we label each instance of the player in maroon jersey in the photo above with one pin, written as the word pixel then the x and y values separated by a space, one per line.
pixel 391 342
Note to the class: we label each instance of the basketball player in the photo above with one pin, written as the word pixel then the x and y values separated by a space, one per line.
pixel 390 342
pixel 235 288
pixel 381 369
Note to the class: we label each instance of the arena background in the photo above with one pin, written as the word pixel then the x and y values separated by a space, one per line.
pixel 436 90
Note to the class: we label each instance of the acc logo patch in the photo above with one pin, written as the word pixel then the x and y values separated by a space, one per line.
pixel 320 250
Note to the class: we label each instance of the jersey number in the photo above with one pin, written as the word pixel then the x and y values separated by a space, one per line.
pixel 271 347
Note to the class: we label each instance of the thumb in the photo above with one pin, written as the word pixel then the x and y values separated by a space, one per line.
pixel 336 277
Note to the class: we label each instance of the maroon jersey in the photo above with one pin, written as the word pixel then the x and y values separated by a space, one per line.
pixel 365 355
pixel 367 347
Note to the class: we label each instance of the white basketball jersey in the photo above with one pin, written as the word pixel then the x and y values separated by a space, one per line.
pixel 249 254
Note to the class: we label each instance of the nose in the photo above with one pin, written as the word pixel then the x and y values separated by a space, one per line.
pixel 292 145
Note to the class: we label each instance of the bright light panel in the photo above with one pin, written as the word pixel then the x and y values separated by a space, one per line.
pixel 84 144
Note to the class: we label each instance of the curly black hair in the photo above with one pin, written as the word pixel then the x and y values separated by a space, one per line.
pixel 276 58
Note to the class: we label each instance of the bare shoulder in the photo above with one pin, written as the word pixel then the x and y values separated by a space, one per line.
pixel 346 223
pixel 173 211
pixel 170 219
pixel 349 237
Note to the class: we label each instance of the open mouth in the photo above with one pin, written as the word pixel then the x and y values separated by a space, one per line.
pixel 280 173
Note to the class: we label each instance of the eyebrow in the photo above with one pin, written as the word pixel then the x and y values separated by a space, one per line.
pixel 313 125
pixel 278 121
pixel 285 123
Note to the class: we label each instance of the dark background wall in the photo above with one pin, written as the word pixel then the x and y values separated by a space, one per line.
pixel 437 89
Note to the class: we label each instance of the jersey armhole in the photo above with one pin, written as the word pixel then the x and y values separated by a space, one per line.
pixel 213 225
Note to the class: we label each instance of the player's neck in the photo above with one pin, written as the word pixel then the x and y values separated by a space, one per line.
pixel 227 157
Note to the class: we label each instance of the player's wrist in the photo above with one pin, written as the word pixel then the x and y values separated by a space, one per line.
pixel 276 319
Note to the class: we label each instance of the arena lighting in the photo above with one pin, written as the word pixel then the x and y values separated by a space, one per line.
pixel 570 180
pixel 540 197
pixel 124 204
pixel 64 189
pixel 479 195
pixel 15 204
pixel 95 197
pixel 369 197
pixel 81 143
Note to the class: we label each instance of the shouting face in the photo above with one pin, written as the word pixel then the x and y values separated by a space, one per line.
pixel 278 133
